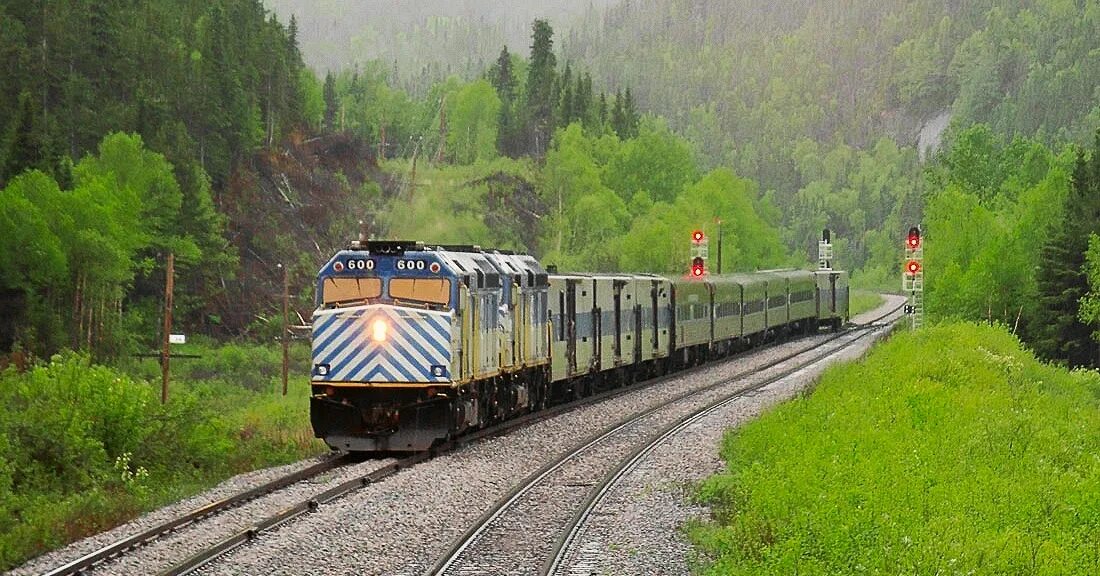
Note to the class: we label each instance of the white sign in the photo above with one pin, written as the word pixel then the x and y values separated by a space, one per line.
pixel 177 339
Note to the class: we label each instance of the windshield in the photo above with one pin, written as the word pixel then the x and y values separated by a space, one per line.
pixel 429 290
pixel 339 291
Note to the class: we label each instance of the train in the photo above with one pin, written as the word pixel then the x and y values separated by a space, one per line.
pixel 415 344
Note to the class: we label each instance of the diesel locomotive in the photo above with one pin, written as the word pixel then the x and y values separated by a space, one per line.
pixel 415 344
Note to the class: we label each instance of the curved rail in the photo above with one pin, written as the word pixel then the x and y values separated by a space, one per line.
pixel 563 546
pixel 471 536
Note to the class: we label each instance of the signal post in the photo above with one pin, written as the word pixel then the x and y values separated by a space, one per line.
pixel 912 277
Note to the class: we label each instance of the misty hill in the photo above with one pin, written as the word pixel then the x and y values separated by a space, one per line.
pixel 746 79
pixel 437 37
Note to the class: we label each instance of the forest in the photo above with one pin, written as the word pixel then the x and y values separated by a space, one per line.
pixel 248 139
pixel 588 148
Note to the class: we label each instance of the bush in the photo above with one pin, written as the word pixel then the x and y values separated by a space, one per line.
pixel 947 451
pixel 86 447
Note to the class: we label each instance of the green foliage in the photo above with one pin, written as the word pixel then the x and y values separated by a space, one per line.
pixel 224 68
pixel 89 244
pixel 541 89
pixel 603 215
pixel 473 123
pixel 993 206
pixel 85 447
pixel 1089 312
pixel 1061 272
pixel 487 203
pixel 862 301
pixel 657 163
pixel 947 450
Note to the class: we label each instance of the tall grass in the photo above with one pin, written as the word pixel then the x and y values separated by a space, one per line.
pixel 862 301
pixel 86 447
pixel 947 451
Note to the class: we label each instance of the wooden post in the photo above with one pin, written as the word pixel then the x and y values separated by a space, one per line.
pixel 286 337
pixel 169 281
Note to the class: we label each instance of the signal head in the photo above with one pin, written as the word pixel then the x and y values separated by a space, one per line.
pixel 698 267
pixel 913 240
pixel 697 236
pixel 912 267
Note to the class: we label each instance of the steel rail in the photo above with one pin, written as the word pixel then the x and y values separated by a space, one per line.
pixel 474 532
pixel 578 522
pixel 121 547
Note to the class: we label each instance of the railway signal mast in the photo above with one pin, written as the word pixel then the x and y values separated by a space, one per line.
pixel 825 251
pixel 699 254
pixel 912 277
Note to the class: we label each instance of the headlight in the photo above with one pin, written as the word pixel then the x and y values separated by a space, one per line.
pixel 378 330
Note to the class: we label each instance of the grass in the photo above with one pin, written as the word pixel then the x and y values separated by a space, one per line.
pixel 950 450
pixel 84 448
pixel 862 301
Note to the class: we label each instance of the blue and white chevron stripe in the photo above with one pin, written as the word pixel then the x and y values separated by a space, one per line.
pixel 416 347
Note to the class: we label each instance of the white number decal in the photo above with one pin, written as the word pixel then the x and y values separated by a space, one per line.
pixel 410 264
pixel 360 264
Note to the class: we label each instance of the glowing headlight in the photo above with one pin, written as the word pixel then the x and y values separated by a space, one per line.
pixel 378 330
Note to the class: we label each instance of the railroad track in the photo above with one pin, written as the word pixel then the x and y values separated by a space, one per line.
pixel 121 548
pixel 125 545
pixel 570 546
pixel 530 526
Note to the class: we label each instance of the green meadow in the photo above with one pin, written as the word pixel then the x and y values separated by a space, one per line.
pixel 951 450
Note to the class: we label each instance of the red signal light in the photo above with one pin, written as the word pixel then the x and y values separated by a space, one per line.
pixel 913 241
pixel 912 267
pixel 697 236
pixel 698 268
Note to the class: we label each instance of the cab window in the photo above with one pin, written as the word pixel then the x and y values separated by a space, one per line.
pixel 430 290
pixel 344 291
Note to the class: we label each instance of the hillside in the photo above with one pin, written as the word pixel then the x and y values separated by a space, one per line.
pixel 425 39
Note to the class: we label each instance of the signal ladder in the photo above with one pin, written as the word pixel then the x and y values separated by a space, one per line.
pixel 912 278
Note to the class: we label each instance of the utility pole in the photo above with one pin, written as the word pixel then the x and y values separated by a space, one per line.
pixel 168 286
pixel 285 338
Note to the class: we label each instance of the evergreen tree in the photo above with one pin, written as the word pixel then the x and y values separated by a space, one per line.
pixel 582 99
pixel 601 112
pixel 500 76
pixel 630 115
pixel 566 110
pixel 330 102
pixel 618 117
pixel 503 80
pixel 541 93
pixel 1061 276
pixel 27 149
